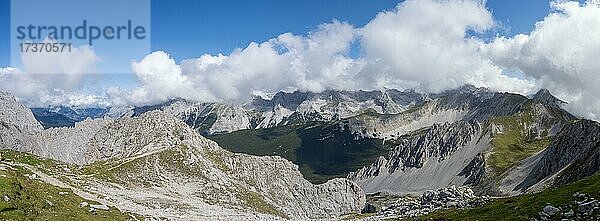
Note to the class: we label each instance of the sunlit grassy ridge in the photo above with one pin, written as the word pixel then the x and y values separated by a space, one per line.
pixel 513 143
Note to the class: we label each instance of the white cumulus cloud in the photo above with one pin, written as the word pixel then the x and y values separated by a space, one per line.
pixel 561 53
pixel 53 78
pixel 427 45
pixel 420 44
pixel 288 62
pixel 424 44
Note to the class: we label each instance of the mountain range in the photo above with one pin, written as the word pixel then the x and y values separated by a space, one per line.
pixel 305 155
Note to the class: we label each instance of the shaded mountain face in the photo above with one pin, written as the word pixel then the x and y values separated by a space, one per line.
pixel 572 155
pixel 51 119
pixel 544 96
pixel 155 165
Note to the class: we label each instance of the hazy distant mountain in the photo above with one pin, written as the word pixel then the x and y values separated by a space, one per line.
pixel 62 116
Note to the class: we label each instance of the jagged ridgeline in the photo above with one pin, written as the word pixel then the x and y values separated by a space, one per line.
pixel 303 127
pixel 397 142
pixel 469 137
pixel 62 116
pixel 153 165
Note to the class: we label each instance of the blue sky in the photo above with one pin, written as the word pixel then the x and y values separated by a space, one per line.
pixel 222 26
pixel 189 28
pixel 4 32
pixel 192 28
pixel 420 46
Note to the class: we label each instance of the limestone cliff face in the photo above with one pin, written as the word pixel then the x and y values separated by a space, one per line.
pixel 573 155
pixel 158 150
pixel 17 124
pixel 69 144
pixel 457 138
pixel 425 160
pixel 584 155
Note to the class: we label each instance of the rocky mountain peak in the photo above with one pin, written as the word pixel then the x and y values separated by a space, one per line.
pixel 285 99
pixel 469 89
pixel 130 136
pixel 545 97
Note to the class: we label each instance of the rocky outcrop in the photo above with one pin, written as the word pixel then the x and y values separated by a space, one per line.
pixel 393 206
pixel 131 136
pixel 69 144
pixel 572 155
pixel 17 124
pixel 543 96
pixel 429 159
pixel 159 152
pixel 206 118
pixel 292 194
pixel 474 171
pixel 583 208
pixel 22 132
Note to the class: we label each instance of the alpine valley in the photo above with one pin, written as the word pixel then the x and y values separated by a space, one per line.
pixel 463 154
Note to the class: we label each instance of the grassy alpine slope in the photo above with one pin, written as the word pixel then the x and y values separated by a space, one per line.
pixel 514 143
pixel 26 198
